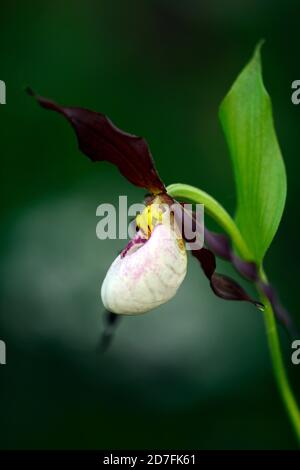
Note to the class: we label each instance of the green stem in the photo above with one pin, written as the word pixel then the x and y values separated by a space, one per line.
pixel 279 370
pixel 215 210
pixel 221 216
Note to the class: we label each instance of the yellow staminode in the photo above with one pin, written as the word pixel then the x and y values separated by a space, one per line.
pixel 151 216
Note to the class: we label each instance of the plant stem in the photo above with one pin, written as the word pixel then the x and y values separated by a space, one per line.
pixel 216 211
pixel 221 216
pixel 279 370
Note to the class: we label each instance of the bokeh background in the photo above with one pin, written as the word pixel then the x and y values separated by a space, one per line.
pixel 196 372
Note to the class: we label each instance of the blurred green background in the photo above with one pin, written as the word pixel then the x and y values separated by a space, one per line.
pixel 196 372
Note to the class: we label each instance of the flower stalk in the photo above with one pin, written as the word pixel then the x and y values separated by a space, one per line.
pixel 280 373
pixel 215 210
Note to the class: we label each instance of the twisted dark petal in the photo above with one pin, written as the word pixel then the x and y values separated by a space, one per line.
pixel 100 139
pixel 207 260
pixel 281 313
pixel 248 269
pixel 223 286
pixel 228 289
pixel 218 243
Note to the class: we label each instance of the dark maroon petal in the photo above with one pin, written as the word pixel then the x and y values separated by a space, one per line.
pixel 223 286
pixel 248 269
pixel 207 260
pixel 100 139
pixel 218 243
pixel 228 289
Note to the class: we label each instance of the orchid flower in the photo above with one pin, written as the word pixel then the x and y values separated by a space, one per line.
pixel 151 268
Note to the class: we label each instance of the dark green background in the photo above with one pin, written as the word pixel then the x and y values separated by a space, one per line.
pixel 196 372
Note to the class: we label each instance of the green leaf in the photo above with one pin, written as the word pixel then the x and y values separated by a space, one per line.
pixel 247 121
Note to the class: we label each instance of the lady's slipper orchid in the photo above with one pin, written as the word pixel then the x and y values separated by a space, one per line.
pixel 149 271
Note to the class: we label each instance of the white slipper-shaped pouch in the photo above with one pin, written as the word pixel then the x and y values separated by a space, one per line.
pixel 146 274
